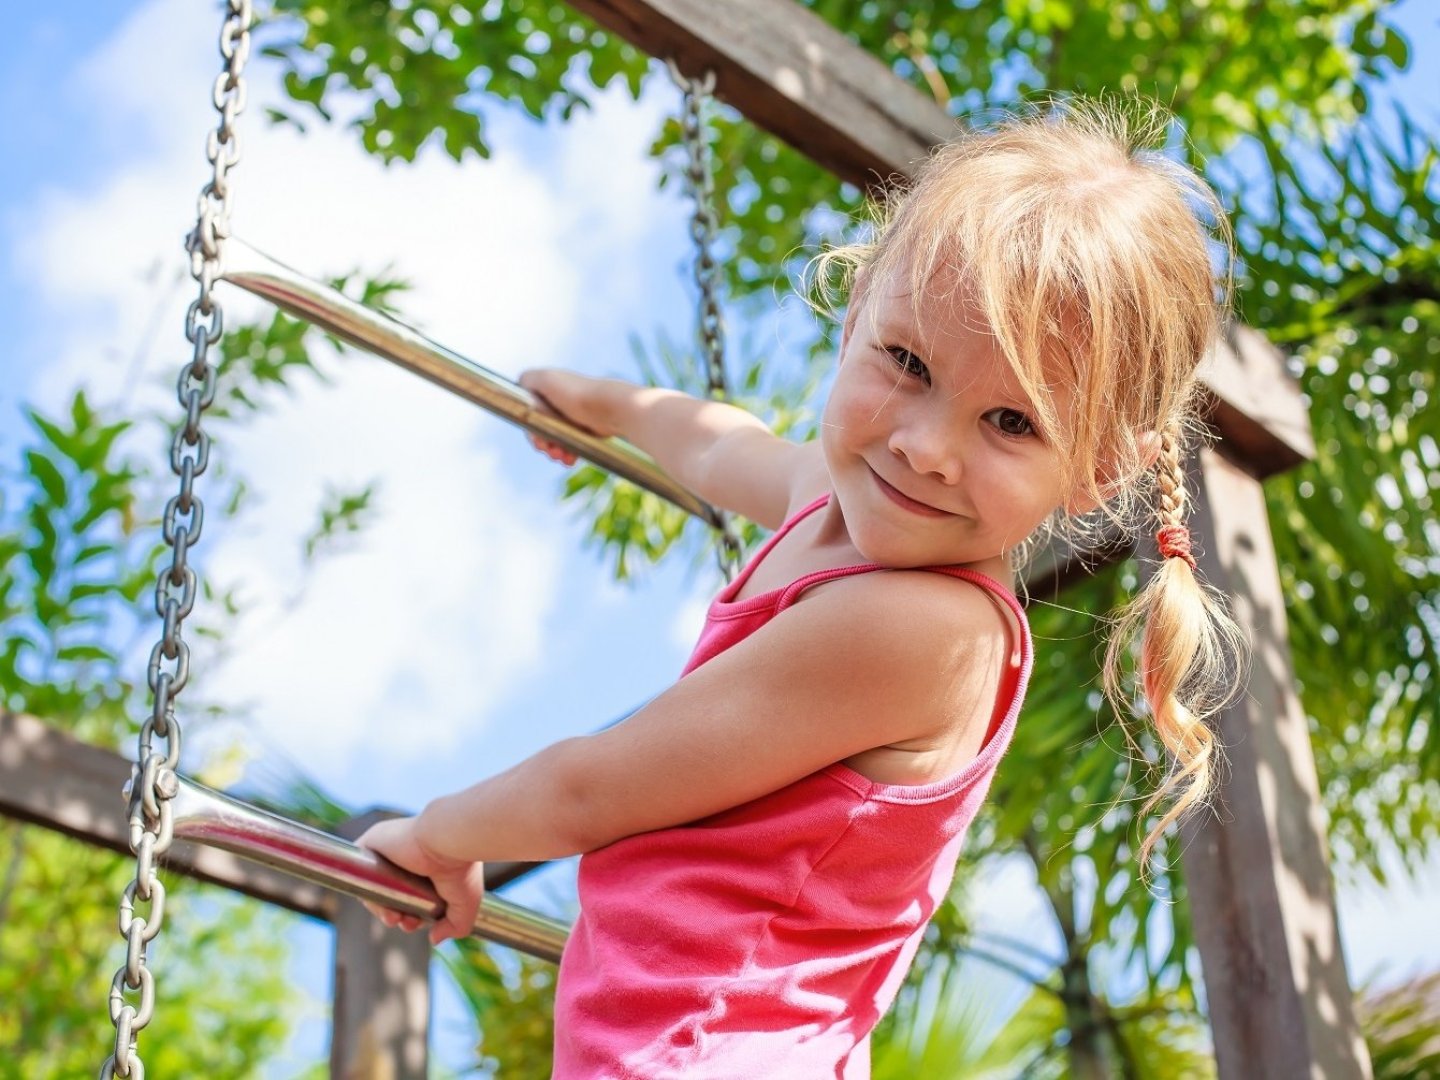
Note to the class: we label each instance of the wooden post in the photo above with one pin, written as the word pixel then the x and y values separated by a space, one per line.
pixel 1257 870
pixel 381 1019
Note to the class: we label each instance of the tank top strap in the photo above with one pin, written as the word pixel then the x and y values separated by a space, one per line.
pixel 1023 656
pixel 792 591
pixel 727 594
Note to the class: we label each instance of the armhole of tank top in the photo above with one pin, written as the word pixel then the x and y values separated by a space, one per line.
pixel 1013 682
pixel 726 596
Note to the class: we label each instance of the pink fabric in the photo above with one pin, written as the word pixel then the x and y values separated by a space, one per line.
pixel 766 940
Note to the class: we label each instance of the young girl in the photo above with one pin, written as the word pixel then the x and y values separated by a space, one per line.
pixel 765 841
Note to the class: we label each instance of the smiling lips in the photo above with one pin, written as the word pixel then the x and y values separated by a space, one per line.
pixel 905 502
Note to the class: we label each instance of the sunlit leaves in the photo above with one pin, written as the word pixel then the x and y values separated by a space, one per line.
pixel 59 950
pixel 1334 197
pixel 70 543
pixel 79 556
pixel 1401 1026
pixel 424 69
pixel 513 1006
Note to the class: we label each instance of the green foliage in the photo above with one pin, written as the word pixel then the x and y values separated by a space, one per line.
pixel 1401 1026
pixel 341 513
pixel 78 565
pixel 423 68
pixel 514 1008
pixel 71 555
pixel 78 561
pixel 1334 201
pixel 934 1030
pixel 1342 262
pixel 60 950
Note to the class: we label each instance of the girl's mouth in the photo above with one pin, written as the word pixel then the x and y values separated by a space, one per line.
pixel 905 502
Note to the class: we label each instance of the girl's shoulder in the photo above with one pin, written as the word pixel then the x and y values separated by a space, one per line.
pixel 942 607
pixel 925 649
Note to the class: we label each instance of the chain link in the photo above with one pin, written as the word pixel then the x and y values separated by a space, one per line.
pixel 704 224
pixel 152 781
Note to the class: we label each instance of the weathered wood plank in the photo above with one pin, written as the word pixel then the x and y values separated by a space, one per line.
pixel 791 73
pixel 1256 406
pixel 1261 897
pixel 51 779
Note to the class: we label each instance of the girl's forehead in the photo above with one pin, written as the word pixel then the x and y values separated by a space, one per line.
pixel 938 322
pixel 945 305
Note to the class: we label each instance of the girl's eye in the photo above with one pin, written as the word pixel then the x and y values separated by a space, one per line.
pixel 909 363
pixel 1011 422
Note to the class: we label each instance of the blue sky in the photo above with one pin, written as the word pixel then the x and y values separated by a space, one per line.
pixel 468 627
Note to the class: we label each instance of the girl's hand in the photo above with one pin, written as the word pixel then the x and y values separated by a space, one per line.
pixel 569 396
pixel 461 885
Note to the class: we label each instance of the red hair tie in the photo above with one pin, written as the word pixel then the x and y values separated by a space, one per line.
pixel 1175 543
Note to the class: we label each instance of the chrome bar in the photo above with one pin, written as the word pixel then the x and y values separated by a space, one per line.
pixel 378 333
pixel 207 817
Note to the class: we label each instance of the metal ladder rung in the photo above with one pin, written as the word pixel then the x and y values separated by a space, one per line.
pixel 203 816
pixel 377 333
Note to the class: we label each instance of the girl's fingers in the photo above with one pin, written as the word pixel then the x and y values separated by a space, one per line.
pixel 392 918
pixel 553 450
pixel 384 914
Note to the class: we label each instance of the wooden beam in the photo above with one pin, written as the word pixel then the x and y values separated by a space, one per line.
pixel 1257 870
pixel 54 780
pixel 50 778
pixel 1257 410
pixel 793 74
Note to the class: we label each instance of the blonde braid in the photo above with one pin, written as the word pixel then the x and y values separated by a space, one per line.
pixel 1187 668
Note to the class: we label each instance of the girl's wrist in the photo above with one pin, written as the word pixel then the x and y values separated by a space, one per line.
pixel 433 831
pixel 613 401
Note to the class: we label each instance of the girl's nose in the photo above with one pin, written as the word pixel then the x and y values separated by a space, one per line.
pixel 930 447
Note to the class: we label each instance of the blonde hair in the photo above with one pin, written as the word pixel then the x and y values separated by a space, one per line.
pixel 1093 258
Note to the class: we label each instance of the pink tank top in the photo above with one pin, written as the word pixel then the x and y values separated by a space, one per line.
pixel 767 940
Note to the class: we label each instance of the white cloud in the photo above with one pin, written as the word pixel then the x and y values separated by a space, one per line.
pixel 435 611
pixel 433 616
pixel 688 621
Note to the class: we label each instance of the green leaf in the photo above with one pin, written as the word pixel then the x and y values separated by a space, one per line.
pixel 48 476
pixel 94 551
pixel 84 653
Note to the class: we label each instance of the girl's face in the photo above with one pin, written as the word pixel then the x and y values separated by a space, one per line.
pixel 932 446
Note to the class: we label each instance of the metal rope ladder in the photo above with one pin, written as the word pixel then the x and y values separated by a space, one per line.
pixel 164 806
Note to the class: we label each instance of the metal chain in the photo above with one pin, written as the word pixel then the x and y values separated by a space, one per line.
pixel 703 227
pixel 153 781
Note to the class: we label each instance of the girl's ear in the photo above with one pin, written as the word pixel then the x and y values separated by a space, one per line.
pixel 1148 444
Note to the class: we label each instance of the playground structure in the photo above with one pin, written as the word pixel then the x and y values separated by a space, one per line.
pixel 1263 906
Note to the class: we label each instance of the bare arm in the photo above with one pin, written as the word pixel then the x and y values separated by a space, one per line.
pixel 722 453
pixel 858 664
